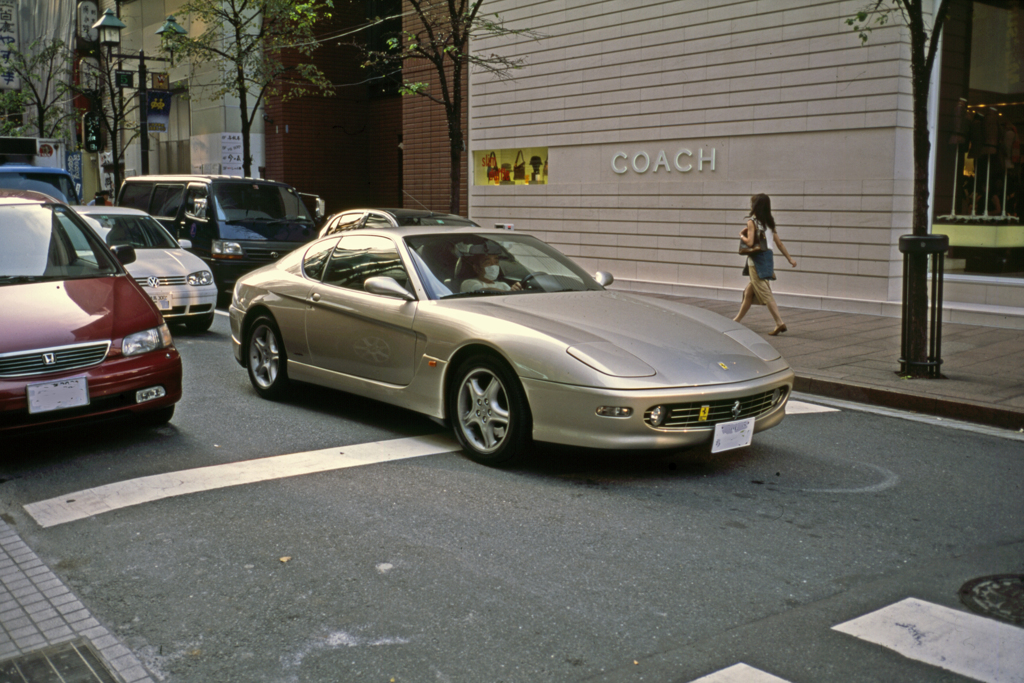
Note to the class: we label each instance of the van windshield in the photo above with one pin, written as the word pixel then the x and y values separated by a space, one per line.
pixel 244 201
pixel 57 185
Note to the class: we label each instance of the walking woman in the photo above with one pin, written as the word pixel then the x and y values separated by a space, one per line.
pixel 760 264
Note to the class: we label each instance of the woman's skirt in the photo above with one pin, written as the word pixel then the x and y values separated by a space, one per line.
pixel 762 292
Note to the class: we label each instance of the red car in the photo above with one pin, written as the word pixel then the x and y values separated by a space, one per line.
pixel 79 339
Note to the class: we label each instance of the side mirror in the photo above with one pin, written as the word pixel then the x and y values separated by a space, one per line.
pixel 387 286
pixel 125 253
pixel 604 279
pixel 185 244
pixel 198 208
pixel 321 208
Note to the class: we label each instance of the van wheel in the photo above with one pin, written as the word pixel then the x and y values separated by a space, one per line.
pixel 155 418
pixel 266 360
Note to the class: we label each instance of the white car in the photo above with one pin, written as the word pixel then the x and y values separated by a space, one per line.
pixel 179 283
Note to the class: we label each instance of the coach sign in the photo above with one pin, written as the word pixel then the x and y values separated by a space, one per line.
pixel 681 161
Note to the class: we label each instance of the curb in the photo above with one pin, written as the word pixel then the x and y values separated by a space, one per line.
pixel 957 409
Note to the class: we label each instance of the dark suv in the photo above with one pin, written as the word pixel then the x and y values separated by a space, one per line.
pixel 234 224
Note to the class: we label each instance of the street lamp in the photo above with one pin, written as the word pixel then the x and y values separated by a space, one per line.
pixel 170 28
pixel 110 27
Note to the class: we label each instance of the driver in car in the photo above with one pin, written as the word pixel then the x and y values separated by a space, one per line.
pixel 487 273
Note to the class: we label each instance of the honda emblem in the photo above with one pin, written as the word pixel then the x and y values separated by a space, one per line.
pixel 49 359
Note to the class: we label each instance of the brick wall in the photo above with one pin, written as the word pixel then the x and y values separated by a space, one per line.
pixel 426 149
pixel 343 148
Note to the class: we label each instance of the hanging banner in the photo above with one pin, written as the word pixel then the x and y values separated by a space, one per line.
pixel 73 162
pixel 158 114
pixel 8 42
pixel 231 153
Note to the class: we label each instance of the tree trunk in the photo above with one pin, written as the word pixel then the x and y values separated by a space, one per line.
pixel 243 106
pixel 915 315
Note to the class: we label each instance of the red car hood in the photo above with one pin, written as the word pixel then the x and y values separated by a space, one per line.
pixel 46 314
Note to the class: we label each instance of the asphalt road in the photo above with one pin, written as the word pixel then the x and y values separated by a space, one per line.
pixel 577 566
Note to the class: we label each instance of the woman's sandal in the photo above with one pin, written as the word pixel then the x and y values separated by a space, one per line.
pixel 778 330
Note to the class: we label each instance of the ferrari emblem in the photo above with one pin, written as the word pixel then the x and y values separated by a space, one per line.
pixel 703 413
pixel 723 365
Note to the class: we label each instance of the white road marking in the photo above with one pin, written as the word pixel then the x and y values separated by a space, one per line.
pixel 95 501
pixel 964 643
pixel 915 417
pixel 740 673
pixel 794 407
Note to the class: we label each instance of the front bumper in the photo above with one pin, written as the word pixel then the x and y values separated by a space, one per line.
pixel 567 414
pixel 183 301
pixel 112 385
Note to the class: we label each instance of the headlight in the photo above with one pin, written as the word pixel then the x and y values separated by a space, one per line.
pixel 147 340
pixel 203 277
pixel 222 249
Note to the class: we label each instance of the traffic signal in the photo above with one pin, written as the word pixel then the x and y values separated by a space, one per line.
pixel 91 131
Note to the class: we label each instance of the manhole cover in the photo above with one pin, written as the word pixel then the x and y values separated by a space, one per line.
pixel 74 662
pixel 1000 596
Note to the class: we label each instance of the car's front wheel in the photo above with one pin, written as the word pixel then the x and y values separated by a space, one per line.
pixel 265 359
pixel 489 412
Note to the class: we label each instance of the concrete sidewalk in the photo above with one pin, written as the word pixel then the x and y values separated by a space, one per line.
pixel 854 357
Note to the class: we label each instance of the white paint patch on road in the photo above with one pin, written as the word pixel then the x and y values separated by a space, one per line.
pixel 889 479
pixel 740 673
pixel 794 407
pixel 95 501
pixel 964 643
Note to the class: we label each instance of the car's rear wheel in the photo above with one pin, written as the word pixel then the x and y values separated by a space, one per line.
pixel 489 413
pixel 199 323
pixel 265 359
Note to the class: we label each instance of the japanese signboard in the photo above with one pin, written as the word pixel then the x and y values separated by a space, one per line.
pixel 8 42
pixel 124 79
pixel 231 153
pixel 88 13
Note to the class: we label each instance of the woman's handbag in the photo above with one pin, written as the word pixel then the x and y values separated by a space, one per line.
pixel 760 244
pixel 491 162
pixel 519 169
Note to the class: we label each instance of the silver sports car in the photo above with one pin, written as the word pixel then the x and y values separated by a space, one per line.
pixel 506 339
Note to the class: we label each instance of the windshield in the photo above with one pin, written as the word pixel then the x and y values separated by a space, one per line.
pixel 141 232
pixel 245 201
pixel 56 185
pixel 467 265
pixel 46 242
pixel 437 219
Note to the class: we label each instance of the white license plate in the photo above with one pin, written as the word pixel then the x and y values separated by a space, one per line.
pixel 729 435
pixel 67 393
pixel 163 301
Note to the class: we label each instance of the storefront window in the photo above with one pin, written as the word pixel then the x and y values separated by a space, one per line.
pixel 978 172
pixel 528 166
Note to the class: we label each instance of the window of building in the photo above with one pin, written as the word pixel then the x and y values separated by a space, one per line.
pixel 978 174
pixel 511 166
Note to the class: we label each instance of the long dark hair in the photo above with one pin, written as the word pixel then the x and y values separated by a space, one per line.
pixel 761 210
